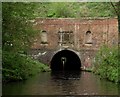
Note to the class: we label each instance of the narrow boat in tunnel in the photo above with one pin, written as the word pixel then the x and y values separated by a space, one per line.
pixel 65 60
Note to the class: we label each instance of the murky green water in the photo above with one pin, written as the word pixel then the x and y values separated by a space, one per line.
pixel 47 83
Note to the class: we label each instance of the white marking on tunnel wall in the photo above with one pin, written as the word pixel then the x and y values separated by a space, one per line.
pixel 39 54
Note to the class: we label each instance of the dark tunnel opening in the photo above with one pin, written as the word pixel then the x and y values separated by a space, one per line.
pixel 65 60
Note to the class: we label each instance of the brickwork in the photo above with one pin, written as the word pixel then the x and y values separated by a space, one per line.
pixel 82 35
pixel 103 31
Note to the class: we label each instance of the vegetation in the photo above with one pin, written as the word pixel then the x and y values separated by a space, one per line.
pixel 17 31
pixel 18 66
pixel 17 39
pixel 75 10
pixel 106 63
pixel 18 35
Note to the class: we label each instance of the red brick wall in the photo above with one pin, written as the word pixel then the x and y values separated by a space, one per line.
pixel 104 30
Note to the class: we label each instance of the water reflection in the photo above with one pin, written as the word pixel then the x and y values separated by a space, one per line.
pixel 66 81
pixel 62 83
pixel 66 75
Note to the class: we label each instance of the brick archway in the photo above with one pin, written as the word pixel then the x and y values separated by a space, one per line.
pixel 66 60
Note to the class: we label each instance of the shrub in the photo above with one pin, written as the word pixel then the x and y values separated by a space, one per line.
pixel 106 63
pixel 20 67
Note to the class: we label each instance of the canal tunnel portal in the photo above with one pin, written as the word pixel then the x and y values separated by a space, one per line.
pixel 66 60
pixel 81 35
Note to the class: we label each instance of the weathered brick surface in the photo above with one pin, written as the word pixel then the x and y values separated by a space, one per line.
pixel 103 31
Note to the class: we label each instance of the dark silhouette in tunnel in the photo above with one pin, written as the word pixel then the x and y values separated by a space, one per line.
pixel 65 60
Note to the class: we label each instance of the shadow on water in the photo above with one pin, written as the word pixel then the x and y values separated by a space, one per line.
pixel 66 75
pixel 62 83
pixel 66 81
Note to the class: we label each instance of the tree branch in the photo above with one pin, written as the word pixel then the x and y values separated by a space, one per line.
pixel 114 8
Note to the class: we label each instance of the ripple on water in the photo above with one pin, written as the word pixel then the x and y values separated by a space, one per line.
pixel 84 83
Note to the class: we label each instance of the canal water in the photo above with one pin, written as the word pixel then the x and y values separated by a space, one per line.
pixel 62 83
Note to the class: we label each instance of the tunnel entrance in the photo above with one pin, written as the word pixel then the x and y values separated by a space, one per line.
pixel 65 60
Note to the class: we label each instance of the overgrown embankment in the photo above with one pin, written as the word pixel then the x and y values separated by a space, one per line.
pixel 17 36
pixel 18 66
pixel 107 64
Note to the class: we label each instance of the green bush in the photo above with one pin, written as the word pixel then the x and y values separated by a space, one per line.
pixel 106 63
pixel 19 67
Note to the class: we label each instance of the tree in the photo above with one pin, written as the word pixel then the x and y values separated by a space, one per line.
pixel 119 23
pixel 18 36
pixel 116 7
pixel 117 10
pixel 17 31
